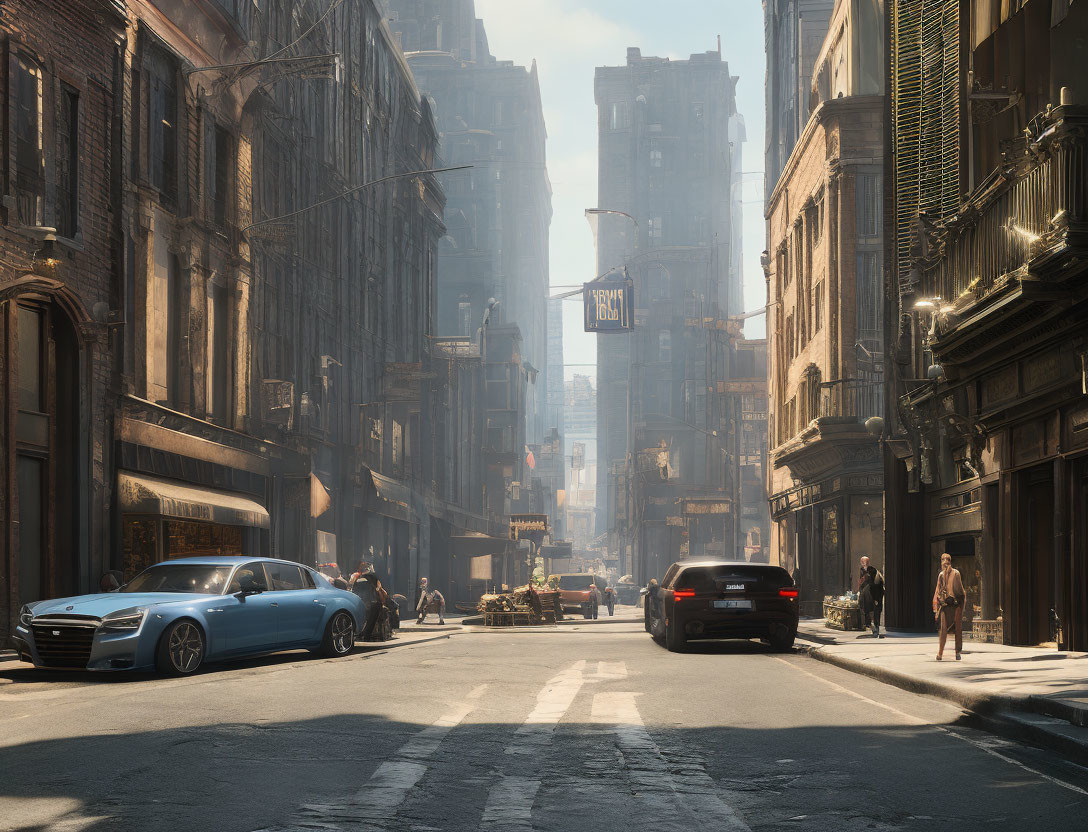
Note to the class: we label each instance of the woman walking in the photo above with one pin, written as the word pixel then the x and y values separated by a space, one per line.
pixel 948 601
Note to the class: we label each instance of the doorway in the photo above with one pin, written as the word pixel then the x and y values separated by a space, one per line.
pixel 1035 553
pixel 44 376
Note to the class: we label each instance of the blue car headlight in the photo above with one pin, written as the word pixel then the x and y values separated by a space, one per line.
pixel 125 620
pixel 25 615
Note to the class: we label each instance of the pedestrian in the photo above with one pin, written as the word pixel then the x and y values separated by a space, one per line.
pixel 375 609
pixel 948 600
pixel 594 600
pixel 610 599
pixel 871 595
pixel 428 598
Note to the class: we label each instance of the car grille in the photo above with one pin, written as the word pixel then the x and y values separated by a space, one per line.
pixel 63 645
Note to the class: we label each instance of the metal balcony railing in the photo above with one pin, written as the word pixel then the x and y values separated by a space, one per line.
pixel 1020 213
pixel 857 398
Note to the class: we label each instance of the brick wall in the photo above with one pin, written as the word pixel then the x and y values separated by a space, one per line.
pixel 73 45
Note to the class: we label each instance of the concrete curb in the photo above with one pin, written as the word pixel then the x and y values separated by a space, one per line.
pixel 1031 719
pixel 364 647
pixel 983 703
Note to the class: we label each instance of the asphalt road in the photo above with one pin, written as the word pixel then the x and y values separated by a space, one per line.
pixel 584 728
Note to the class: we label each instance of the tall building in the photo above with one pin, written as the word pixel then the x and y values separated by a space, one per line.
pixel 667 439
pixel 580 423
pixel 497 215
pixel 985 435
pixel 825 313
pixel 794 32
pixel 556 388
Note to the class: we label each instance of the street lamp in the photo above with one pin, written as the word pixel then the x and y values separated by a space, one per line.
pixel 350 191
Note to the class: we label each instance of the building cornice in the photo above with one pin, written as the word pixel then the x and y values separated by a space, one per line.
pixel 825 111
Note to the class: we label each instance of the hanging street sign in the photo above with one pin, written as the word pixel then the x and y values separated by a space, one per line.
pixel 609 305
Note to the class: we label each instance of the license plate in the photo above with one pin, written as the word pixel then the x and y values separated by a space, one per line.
pixel 731 604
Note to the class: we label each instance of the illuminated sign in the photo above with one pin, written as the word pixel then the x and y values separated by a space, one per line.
pixel 528 526
pixel 609 305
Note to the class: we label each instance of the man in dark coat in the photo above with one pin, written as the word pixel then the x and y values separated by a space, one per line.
pixel 871 595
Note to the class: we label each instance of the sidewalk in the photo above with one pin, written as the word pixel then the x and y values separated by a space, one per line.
pixel 1042 691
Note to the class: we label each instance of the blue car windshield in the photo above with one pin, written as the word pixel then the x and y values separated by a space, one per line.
pixel 180 577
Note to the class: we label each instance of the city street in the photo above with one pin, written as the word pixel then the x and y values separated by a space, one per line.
pixel 580 728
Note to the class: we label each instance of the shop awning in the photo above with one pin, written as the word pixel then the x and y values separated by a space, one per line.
pixel 476 543
pixel 390 498
pixel 142 494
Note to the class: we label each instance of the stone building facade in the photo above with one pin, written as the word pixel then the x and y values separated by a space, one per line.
pixel 825 308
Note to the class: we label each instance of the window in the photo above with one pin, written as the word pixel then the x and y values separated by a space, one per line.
pixel 174 328
pixel 697 111
pixel 218 154
pixel 162 70
pixel 68 163
pixel 868 282
pixel 868 204
pixel 619 116
pixel 655 228
pixel 819 305
pixel 816 218
pixel 664 346
pixel 249 574
pixel 284 576
pixel 398 446
pixel 656 159
pixel 27 90
pixel 218 351
pixel 464 316
pixel 30 323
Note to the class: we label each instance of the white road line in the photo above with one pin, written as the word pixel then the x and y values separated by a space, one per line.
pixel 610 670
pixel 691 791
pixel 981 744
pixel 375 805
pixel 509 806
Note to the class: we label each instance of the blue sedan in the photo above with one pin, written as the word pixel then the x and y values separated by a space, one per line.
pixel 176 615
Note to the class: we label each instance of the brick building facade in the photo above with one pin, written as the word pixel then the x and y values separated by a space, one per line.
pixel 824 272
pixel 59 281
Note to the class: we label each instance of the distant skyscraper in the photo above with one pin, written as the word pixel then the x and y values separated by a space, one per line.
pixel 669 143
pixel 497 215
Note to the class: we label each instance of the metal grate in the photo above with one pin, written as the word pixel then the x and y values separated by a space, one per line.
pixel 925 57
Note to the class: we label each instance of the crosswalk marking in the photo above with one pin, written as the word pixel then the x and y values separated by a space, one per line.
pixel 510 800
pixel 375 805
pixel 690 790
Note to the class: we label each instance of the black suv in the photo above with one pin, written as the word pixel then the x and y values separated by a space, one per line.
pixel 713 599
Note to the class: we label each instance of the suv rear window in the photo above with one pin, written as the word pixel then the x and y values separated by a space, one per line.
pixel 707 578
pixel 575 581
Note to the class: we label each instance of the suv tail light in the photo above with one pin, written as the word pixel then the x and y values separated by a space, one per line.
pixel 788 592
pixel 677 594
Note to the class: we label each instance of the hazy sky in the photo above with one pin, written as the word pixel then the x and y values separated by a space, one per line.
pixel 568 39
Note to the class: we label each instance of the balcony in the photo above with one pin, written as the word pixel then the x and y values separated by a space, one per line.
pixel 1017 240
pixel 836 441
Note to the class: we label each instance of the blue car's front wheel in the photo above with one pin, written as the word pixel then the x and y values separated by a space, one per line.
pixel 181 649
pixel 339 637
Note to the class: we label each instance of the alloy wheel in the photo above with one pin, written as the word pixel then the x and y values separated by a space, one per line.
pixel 343 633
pixel 186 647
